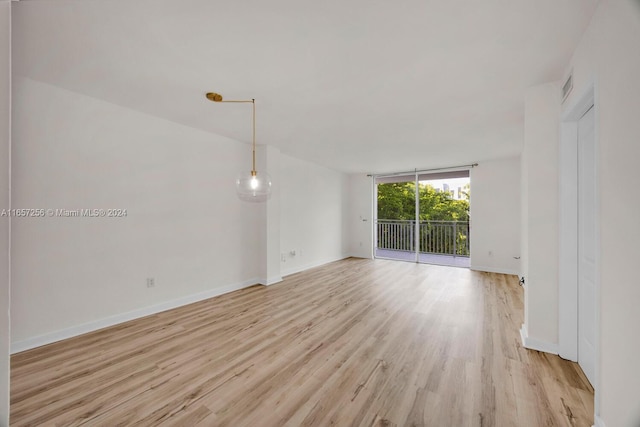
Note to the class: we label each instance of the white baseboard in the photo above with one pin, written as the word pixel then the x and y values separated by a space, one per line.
pixel 360 254
pixel 534 344
pixel 270 281
pixel 597 422
pixel 288 271
pixel 494 270
pixel 29 343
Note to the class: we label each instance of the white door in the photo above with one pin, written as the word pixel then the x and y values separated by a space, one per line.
pixel 587 245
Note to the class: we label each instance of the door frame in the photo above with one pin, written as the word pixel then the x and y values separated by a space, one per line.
pixel 568 227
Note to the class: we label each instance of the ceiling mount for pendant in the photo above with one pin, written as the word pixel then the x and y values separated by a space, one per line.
pixel 215 97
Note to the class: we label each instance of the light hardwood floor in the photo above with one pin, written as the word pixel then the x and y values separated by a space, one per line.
pixel 355 342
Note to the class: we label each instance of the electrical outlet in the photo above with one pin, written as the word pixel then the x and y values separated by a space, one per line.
pixel 151 282
pixel 283 257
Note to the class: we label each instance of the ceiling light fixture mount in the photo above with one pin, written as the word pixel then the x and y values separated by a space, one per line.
pixel 251 187
pixel 212 96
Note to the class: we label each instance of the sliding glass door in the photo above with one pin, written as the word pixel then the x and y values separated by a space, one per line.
pixel 423 217
pixel 396 218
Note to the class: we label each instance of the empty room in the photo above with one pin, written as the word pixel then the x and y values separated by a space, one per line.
pixel 290 213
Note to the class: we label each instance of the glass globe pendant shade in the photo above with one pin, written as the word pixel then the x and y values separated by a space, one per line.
pixel 253 186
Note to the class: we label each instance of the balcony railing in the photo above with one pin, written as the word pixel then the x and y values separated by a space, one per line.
pixel 435 237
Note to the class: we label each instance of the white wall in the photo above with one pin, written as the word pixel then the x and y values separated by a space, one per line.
pixel 524 220
pixel 495 216
pixel 609 56
pixel 184 226
pixel 5 143
pixel 540 181
pixel 312 206
pixel 269 161
pixel 360 217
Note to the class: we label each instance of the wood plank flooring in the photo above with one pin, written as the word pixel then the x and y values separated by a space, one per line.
pixel 355 342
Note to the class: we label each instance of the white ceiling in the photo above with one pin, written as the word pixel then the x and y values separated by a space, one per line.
pixel 355 85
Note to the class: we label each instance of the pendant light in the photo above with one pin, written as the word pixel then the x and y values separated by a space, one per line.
pixel 250 186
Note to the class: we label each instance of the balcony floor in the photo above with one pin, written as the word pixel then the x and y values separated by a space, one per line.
pixel 449 260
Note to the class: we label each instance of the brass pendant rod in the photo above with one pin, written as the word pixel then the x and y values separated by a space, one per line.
pixel 253 104
pixel 215 97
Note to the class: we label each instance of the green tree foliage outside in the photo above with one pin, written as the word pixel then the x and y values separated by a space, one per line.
pixel 443 220
pixel 396 201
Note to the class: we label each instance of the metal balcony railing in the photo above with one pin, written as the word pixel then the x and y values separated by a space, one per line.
pixel 435 237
